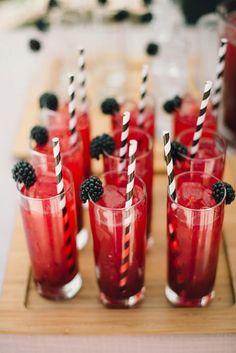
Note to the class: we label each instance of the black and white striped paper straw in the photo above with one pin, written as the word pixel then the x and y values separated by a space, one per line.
pixel 82 82
pixel 217 88
pixel 169 165
pixel 60 192
pixel 201 118
pixel 72 110
pixel 129 198
pixel 143 93
pixel 124 141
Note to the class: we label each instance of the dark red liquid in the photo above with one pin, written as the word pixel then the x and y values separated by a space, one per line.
pixel 149 120
pixel 186 117
pixel 83 127
pixel 144 164
pixel 193 239
pixel 53 258
pixel 229 102
pixel 210 157
pixel 71 158
pixel 108 230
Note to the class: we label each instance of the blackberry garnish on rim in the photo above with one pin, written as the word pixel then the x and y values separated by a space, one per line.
pixel 100 144
pixel 219 189
pixel 48 100
pixel 39 134
pixel 91 188
pixel 178 151
pixel 110 106
pixel 172 105
pixel 23 172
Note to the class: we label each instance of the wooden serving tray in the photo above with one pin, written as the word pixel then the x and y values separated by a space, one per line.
pixel 23 311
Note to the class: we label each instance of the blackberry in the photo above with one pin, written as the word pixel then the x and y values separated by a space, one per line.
pixel 100 144
pixel 34 44
pixel 23 172
pixel 171 105
pixel 42 24
pixel 152 49
pixel 177 101
pixel 146 17
pixel 48 100
pixel 110 106
pixel 218 190
pixel 91 188
pixel 230 193
pixel 39 134
pixel 178 150
pixel 120 16
pixel 96 147
pixel 108 143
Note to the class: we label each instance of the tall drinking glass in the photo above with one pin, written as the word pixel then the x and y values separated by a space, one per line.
pixel 132 107
pixel 59 120
pixel 144 164
pixel 210 157
pixel 72 159
pixel 108 217
pixel 194 225
pixel 185 117
pixel 52 248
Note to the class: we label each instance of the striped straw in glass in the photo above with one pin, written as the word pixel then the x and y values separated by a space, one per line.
pixel 217 88
pixel 124 141
pixel 60 192
pixel 124 269
pixel 143 93
pixel 201 118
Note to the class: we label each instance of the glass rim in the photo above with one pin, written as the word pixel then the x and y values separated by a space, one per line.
pixel 207 209
pixel 138 157
pixel 216 136
pixel 63 153
pixel 37 199
pixel 59 114
pixel 122 209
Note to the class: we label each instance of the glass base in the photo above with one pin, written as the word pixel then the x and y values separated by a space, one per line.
pixel 177 300
pixel 123 303
pixel 81 239
pixel 67 291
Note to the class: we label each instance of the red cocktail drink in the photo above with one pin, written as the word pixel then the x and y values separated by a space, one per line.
pixel 210 157
pixel 52 248
pixel 59 120
pixel 71 158
pixel 185 117
pixel 194 225
pixel 144 163
pixel 107 218
pixel 132 107
pixel 83 127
